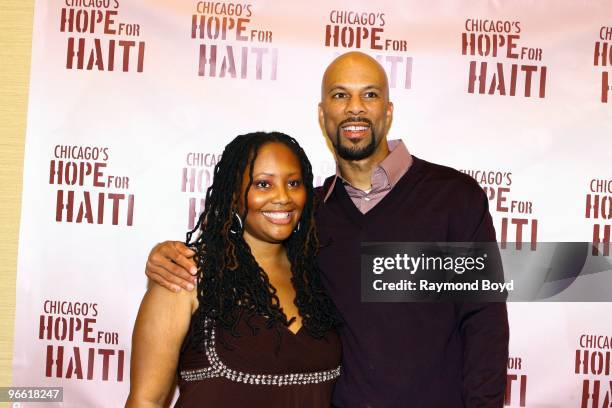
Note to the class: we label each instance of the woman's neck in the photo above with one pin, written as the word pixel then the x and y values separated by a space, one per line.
pixel 268 255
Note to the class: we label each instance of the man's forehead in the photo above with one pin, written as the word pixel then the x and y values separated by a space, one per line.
pixel 354 70
pixel 363 85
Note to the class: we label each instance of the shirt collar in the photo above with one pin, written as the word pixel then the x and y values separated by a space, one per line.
pixel 394 166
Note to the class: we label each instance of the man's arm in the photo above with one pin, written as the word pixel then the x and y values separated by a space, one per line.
pixel 171 265
pixel 485 333
pixel 483 327
pixel 161 326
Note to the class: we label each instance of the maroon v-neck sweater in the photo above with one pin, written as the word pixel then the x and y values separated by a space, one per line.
pixel 413 354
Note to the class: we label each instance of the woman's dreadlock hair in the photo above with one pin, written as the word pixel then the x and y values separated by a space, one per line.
pixel 230 282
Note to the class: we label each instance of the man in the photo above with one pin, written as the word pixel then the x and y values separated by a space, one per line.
pixel 394 354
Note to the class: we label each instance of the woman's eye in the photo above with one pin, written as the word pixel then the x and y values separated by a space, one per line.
pixel 295 183
pixel 262 184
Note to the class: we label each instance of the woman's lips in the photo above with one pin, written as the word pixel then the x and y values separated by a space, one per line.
pixel 278 217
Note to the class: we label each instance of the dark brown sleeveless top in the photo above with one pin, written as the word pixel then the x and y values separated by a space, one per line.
pixel 259 369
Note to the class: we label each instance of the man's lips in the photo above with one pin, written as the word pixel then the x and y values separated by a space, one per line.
pixel 278 217
pixel 355 130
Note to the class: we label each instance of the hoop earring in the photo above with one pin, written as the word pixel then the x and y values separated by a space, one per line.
pixel 239 223
pixel 297 229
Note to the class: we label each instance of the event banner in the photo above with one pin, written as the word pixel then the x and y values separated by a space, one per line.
pixel 131 103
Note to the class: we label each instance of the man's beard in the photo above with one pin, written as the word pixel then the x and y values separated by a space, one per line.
pixel 355 153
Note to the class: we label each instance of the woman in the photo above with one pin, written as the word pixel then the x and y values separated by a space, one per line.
pixel 259 330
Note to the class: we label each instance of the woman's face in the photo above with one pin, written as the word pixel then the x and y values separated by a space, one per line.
pixel 276 197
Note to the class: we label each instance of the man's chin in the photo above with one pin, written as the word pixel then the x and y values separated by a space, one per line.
pixel 359 143
pixel 354 148
pixel 354 154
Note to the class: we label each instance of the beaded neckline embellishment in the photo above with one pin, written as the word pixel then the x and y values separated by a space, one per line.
pixel 219 369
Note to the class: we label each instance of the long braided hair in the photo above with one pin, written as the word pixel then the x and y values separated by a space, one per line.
pixel 230 281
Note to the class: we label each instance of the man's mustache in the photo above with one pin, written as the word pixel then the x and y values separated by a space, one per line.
pixel 356 119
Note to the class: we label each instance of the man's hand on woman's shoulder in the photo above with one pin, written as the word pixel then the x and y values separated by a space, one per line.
pixel 171 265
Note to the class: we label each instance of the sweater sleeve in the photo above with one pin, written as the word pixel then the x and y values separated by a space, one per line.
pixel 483 327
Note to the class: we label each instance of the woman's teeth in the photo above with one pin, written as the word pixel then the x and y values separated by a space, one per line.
pixel 277 215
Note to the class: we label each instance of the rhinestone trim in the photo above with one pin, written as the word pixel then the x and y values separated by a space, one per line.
pixel 219 369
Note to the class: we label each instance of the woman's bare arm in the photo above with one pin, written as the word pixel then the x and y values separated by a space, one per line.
pixel 161 326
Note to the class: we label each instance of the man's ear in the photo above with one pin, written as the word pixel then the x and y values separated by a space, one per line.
pixel 389 114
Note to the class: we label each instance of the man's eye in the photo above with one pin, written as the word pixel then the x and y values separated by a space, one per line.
pixel 339 95
pixel 262 184
pixel 371 94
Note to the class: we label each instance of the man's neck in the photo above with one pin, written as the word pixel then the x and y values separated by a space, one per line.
pixel 359 172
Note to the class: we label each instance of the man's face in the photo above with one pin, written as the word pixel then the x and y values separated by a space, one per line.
pixel 355 111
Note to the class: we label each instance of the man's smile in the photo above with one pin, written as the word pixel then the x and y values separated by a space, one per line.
pixel 355 129
pixel 355 132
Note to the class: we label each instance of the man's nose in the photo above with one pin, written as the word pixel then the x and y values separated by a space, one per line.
pixel 355 106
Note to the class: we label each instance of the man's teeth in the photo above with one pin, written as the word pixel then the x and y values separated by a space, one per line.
pixel 355 128
pixel 277 215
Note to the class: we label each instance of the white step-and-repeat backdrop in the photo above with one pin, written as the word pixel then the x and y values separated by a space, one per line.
pixel 132 101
